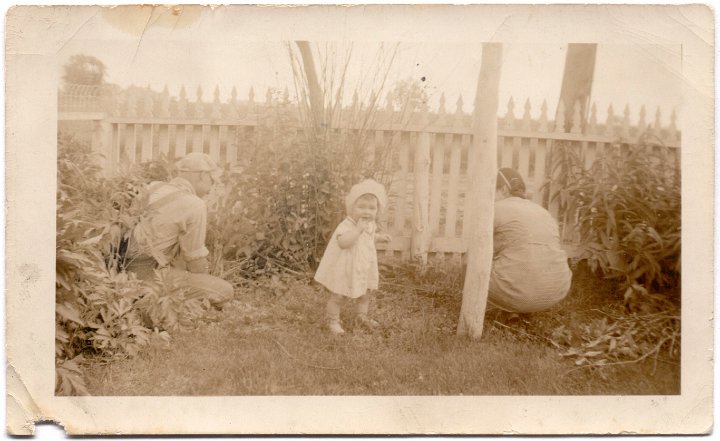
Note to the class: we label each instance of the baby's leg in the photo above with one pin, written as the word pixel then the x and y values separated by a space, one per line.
pixel 335 302
pixel 363 304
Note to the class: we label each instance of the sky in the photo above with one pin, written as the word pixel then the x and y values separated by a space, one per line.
pixel 211 50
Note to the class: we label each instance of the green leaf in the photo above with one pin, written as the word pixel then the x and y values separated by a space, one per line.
pixel 68 312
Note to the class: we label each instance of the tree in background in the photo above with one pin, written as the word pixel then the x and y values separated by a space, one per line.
pixel 407 95
pixel 85 70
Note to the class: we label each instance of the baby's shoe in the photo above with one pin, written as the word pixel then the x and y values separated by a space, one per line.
pixel 334 327
pixel 367 322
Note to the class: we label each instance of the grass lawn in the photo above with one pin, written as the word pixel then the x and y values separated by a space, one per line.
pixel 271 340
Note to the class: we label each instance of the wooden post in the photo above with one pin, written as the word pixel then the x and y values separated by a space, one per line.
pixel 421 221
pixel 313 85
pixel 577 81
pixel 484 147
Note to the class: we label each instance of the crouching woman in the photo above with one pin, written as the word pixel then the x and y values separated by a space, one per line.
pixel 530 271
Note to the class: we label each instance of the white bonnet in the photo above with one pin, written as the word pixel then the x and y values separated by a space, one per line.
pixel 370 186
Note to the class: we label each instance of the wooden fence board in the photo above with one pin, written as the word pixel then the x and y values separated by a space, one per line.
pixel 531 184
pixel 147 144
pixel 467 180
pixel 196 145
pixel 540 171
pixel 523 157
pixel 516 142
pixel 590 149
pixel 214 141
pixel 181 133
pixel 600 148
pixel 378 141
pixel 114 151
pixel 393 202
pixel 138 136
pixel 130 144
pixel 438 158
pixel 222 143
pixel 451 214
pixel 206 138
pixel 119 145
pixel 164 139
pixel 401 200
pixel 505 143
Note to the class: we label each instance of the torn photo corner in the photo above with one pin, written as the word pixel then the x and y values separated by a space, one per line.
pixel 546 299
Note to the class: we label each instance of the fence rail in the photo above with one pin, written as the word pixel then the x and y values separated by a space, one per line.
pixel 139 125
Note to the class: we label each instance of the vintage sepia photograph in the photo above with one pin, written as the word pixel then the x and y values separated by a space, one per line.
pixel 261 216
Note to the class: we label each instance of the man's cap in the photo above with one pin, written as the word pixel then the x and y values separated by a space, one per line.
pixel 196 162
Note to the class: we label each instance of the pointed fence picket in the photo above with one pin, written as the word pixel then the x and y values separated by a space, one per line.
pixel 140 124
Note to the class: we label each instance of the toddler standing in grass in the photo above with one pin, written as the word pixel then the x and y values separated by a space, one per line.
pixel 349 267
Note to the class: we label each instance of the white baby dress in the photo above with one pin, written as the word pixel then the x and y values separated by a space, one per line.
pixel 351 271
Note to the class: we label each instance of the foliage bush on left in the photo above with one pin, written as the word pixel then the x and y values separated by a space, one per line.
pixel 102 312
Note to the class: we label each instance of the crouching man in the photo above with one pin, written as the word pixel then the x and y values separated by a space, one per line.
pixel 172 235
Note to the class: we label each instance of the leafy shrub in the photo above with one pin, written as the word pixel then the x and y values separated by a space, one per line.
pixel 626 209
pixel 100 311
pixel 94 307
pixel 168 305
pixel 278 213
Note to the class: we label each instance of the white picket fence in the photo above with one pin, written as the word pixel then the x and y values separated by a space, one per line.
pixel 141 124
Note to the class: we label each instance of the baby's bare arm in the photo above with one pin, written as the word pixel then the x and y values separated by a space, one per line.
pixel 382 237
pixel 346 240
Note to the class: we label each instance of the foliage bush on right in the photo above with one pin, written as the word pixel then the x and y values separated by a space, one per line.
pixel 626 208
